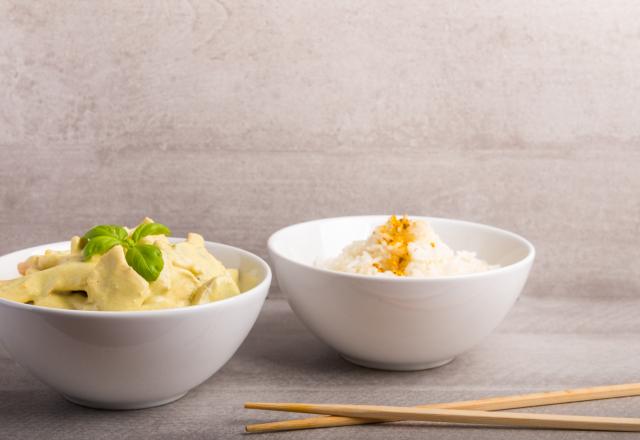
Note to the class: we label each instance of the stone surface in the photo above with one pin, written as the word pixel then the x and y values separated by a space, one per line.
pixel 234 119
pixel 542 346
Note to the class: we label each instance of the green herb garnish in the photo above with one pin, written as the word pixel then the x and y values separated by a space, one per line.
pixel 145 259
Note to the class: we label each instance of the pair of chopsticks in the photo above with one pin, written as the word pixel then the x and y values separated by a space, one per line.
pixel 477 412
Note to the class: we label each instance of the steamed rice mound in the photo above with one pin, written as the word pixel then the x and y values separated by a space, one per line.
pixel 406 248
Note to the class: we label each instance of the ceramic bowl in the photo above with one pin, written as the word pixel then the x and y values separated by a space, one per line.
pixel 130 360
pixel 395 323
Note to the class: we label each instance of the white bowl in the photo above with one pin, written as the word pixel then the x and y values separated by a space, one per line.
pixel 129 360
pixel 398 323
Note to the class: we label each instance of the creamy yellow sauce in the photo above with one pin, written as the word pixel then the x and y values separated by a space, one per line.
pixel 190 276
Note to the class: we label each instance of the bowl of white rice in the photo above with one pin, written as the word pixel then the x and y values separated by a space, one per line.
pixel 400 292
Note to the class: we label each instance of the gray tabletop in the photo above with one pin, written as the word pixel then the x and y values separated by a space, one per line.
pixel 543 345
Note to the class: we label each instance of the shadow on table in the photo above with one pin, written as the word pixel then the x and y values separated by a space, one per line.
pixel 44 413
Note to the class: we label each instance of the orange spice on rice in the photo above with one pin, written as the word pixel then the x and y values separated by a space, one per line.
pixel 404 247
pixel 396 234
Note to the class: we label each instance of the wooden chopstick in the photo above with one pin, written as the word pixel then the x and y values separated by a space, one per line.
pixel 489 404
pixel 476 417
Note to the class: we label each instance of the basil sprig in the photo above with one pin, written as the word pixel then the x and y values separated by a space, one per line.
pixel 145 259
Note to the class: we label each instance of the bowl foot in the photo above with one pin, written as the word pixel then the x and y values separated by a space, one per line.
pixel 122 405
pixel 397 366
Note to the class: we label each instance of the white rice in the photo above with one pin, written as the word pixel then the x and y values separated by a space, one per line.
pixel 430 256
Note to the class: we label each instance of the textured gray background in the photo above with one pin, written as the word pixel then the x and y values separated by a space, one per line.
pixel 236 118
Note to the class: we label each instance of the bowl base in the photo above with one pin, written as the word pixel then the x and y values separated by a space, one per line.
pixel 396 366
pixel 122 405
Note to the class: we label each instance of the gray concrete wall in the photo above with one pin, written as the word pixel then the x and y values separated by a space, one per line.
pixel 237 118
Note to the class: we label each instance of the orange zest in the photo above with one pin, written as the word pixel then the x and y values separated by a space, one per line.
pixel 396 234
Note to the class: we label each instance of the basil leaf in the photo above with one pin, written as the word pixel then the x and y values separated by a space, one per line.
pixel 145 259
pixel 114 231
pixel 149 229
pixel 99 245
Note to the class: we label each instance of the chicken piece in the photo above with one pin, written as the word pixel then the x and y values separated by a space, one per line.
pixel 36 286
pixel 27 265
pixel 48 260
pixel 235 275
pixel 193 256
pixel 114 285
pixel 174 286
pixel 215 289
pixel 77 244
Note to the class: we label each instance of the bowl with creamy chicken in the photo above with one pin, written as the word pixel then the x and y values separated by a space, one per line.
pixel 122 329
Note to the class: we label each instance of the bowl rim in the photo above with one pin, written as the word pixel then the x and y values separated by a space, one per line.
pixel 254 291
pixel 527 260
